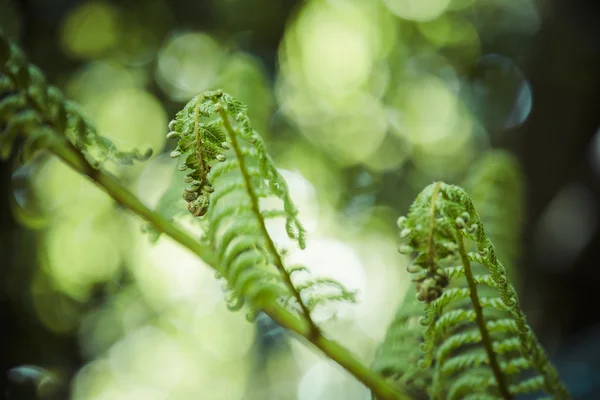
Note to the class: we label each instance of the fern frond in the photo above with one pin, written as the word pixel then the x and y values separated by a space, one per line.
pixel 230 171
pixel 475 341
pixel 36 113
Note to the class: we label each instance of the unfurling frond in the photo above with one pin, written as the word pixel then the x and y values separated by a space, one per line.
pixel 35 114
pixel 473 342
pixel 229 172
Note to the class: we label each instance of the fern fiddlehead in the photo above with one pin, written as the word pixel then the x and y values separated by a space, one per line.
pixel 438 222
pixel 37 113
pixel 230 172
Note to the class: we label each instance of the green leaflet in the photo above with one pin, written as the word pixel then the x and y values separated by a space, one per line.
pixel 229 171
pixel 35 113
pixel 475 341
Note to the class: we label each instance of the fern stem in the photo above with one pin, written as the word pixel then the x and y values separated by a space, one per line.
pixel 480 319
pixel 378 386
pixel 75 160
pixel 268 301
pixel 314 331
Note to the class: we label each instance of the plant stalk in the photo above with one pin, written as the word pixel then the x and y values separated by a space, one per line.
pixel 268 303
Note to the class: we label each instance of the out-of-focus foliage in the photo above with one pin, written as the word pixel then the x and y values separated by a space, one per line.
pixel 496 187
pixel 363 92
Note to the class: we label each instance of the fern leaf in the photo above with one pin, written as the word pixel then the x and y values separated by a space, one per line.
pixel 229 172
pixel 35 113
pixel 475 340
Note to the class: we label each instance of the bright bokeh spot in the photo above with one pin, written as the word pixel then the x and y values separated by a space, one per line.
pixel 328 64
pixel 90 83
pixel 224 335
pixel 350 136
pixel 331 258
pixel 417 10
pixel 150 356
pixel 429 111
pixel 91 380
pixel 432 118
pixel 167 273
pixel 332 47
pixel 67 194
pixel 90 30
pixel 155 363
pixel 333 74
pixel 111 96
pixel 83 252
pixel 132 119
pixel 188 63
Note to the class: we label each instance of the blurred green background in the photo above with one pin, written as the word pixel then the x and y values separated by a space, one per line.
pixel 362 104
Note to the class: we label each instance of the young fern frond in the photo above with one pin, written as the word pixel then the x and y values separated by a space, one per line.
pixel 496 187
pixel 474 345
pixel 230 172
pixel 438 223
pixel 36 113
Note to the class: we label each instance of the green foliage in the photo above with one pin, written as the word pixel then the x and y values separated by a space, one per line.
pixel 230 172
pixel 31 108
pixel 473 345
pixel 459 333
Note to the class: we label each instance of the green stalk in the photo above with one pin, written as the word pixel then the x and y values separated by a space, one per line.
pixel 267 303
